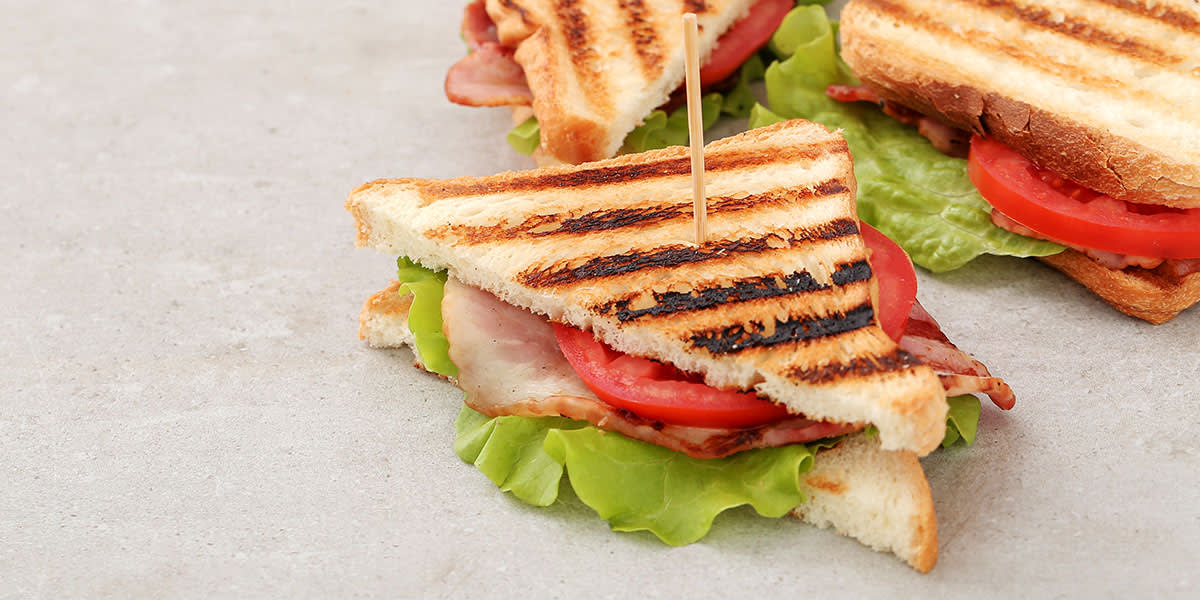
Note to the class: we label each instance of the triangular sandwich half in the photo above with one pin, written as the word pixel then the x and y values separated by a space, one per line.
pixel 777 301
pixel 594 68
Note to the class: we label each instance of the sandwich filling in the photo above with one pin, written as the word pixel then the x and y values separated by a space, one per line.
pixel 1034 202
pixel 512 362
pixel 530 418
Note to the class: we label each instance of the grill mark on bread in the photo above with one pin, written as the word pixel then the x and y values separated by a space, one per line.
pixel 644 37
pixel 625 173
pixel 696 6
pixel 576 30
pixel 858 367
pixel 517 8
pixel 540 226
pixel 1027 54
pixel 673 256
pixel 736 338
pixel 1079 29
pixel 1161 13
pixel 746 290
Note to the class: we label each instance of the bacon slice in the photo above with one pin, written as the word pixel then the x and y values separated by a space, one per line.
pixel 960 372
pixel 1180 267
pixel 478 28
pixel 852 93
pixel 488 77
pixel 509 364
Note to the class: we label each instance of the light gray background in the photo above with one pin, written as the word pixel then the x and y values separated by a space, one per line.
pixel 185 409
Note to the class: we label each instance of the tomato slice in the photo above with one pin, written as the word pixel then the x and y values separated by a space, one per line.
pixel 897 280
pixel 657 391
pixel 1069 213
pixel 744 39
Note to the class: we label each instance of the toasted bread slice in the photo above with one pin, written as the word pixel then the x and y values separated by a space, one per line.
pixel 1103 93
pixel 1155 295
pixel 596 69
pixel 878 497
pixel 778 299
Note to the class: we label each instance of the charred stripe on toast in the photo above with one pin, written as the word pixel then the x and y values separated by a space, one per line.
pixel 545 225
pixel 672 256
pixel 745 290
pixel 627 173
pixel 643 36
pixel 1042 58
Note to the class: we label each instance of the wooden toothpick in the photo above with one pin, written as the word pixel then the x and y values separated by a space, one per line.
pixel 695 124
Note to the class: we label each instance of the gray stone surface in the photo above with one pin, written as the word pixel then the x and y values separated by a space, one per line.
pixel 185 409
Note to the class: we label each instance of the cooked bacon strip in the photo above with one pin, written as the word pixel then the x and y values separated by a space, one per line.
pixel 478 28
pixel 1180 267
pixel 488 77
pixel 960 372
pixel 509 364
pixel 946 139
pixel 852 93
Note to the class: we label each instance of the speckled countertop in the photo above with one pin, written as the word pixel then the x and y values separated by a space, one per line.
pixel 185 408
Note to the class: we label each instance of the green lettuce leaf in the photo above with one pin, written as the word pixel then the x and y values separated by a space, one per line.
pixel 911 192
pixel 509 451
pixel 660 130
pixel 962 420
pixel 526 137
pixel 425 315
pixel 633 485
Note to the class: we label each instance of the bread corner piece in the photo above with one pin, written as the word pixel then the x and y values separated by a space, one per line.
pixel 1149 294
pixel 383 322
pixel 879 497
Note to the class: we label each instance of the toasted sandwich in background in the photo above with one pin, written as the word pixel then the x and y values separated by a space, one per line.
pixel 591 71
pixel 1086 125
pixel 782 362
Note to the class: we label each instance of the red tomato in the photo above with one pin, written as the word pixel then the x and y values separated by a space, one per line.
pixel 744 39
pixel 661 392
pixel 897 281
pixel 657 391
pixel 1069 213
